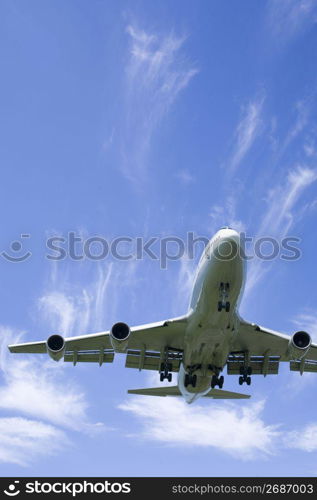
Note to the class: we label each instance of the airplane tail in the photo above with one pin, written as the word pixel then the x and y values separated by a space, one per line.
pixel 174 391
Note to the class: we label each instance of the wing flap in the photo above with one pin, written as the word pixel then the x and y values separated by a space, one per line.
pixel 261 365
pixel 303 366
pixel 89 357
pixel 150 360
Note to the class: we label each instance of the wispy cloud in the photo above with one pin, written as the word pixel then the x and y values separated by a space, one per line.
pixel 282 199
pixel 156 73
pixel 290 18
pixel 184 284
pixel 303 109
pixel 226 214
pixel 282 213
pixel 64 311
pixel 71 308
pixel 185 177
pixel 246 132
pixel 239 431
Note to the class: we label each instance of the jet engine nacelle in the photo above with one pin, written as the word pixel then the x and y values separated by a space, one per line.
pixel 299 345
pixel 55 346
pixel 119 335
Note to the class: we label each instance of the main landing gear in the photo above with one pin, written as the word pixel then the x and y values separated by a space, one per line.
pixel 217 381
pixel 190 380
pixel 224 295
pixel 166 372
pixel 245 375
pixel 166 367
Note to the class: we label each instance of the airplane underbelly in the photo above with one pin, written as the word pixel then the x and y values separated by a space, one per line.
pixel 210 330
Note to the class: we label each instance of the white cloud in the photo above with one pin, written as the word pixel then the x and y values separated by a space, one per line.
pixel 246 132
pixel 282 200
pixel 290 18
pixel 185 177
pixel 310 149
pixel 156 73
pixel 303 111
pixel 237 430
pixel 23 440
pixel 304 439
pixel 63 311
pixel 222 215
pixel 282 214
pixel 184 285
pixel 39 390
pixel 69 308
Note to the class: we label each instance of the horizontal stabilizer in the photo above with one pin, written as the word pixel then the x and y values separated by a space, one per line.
pixel 174 391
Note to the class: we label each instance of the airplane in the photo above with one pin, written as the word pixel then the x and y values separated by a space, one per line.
pixel 200 344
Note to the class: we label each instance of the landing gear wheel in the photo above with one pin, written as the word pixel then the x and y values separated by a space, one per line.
pixel 165 372
pixel 217 381
pixel 194 380
pixel 241 380
pixel 248 380
pixel 214 381
pixel 219 306
pixel 227 307
pixel 186 380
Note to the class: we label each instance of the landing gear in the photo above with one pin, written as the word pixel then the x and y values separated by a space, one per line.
pixel 165 371
pixel 223 303
pixel 190 380
pixel 217 381
pixel 245 375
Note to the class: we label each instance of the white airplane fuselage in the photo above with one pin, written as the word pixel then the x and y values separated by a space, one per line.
pixel 211 326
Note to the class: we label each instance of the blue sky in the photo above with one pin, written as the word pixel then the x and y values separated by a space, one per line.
pixel 146 119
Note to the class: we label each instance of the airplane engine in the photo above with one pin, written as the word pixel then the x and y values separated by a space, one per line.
pixel 55 346
pixel 119 336
pixel 299 344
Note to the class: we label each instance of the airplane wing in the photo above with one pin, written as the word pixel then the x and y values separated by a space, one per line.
pixel 265 348
pixel 174 391
pixel 146 345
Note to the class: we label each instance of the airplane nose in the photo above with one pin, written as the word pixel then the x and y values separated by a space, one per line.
pixel 228 246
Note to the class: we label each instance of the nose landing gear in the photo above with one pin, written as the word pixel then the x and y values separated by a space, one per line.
pixel 223 303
